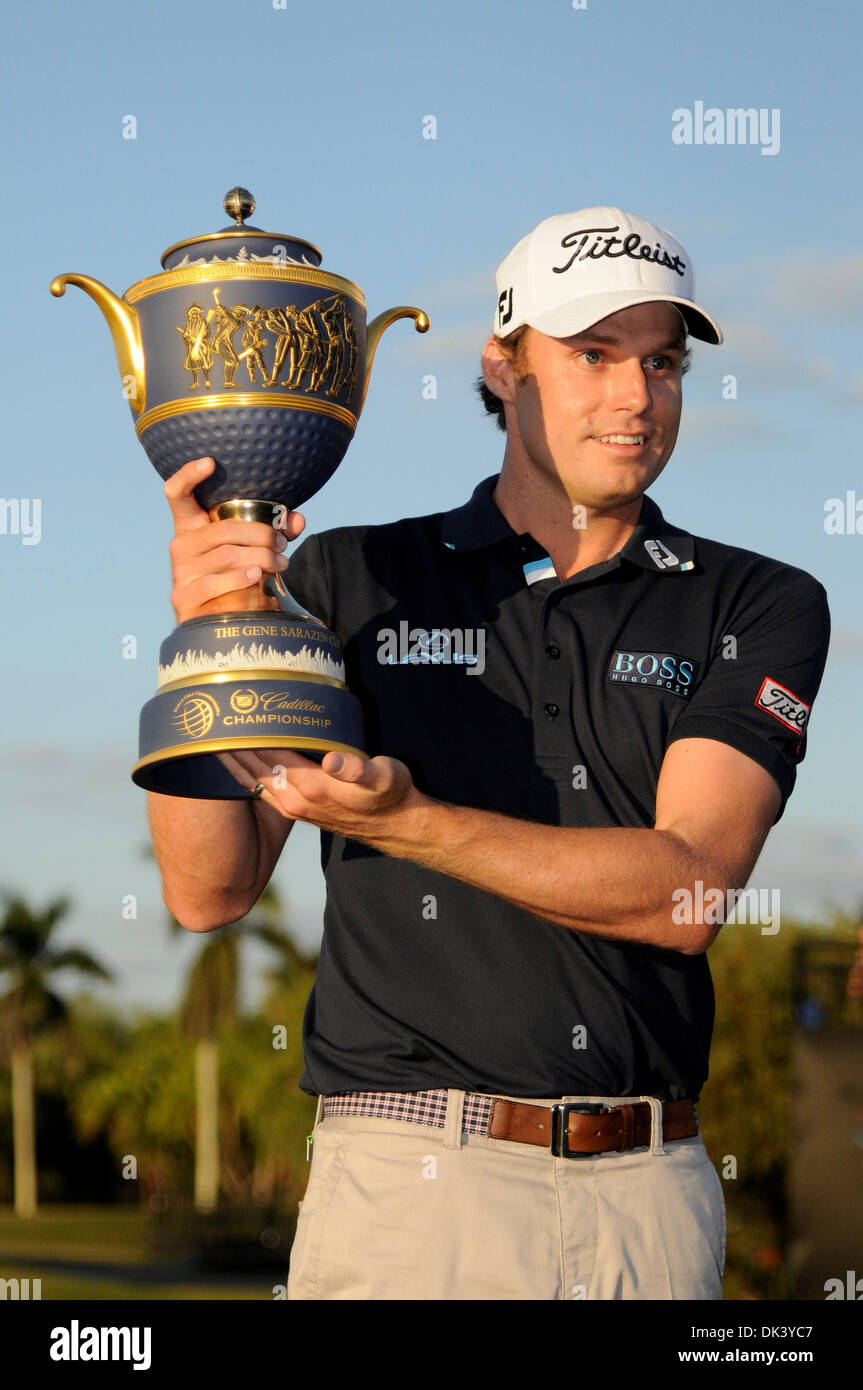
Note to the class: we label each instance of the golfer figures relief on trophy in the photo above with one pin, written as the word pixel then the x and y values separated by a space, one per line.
pixel 245 351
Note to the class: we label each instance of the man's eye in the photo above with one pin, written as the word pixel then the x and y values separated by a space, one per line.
pixel 659 363
pixel 591 352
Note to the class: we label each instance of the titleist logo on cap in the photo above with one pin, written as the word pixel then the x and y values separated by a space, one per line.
pixel 631 245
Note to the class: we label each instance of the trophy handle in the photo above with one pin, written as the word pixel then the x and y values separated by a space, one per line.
pixel 122 319
pixel 275 586
pixel 380 325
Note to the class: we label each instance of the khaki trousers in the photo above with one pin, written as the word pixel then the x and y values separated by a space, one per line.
pixel 409 1211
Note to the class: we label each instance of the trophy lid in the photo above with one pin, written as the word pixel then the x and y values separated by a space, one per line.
pixel 241 243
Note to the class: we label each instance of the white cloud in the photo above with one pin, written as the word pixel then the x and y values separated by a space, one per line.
pixel 462 343
pixel 849 392
pixel 809 282
pixel 728 424
pixel 815 866
pixel 846 642
pixel 465 287
pixel 758 354
pixel 49 774
pixel 799 284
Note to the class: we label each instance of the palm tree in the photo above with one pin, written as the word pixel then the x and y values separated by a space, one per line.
pixel 29 1007
pixel 210 1004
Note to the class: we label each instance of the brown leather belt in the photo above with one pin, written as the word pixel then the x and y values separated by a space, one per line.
pixel 578 1129
pixel 569 1129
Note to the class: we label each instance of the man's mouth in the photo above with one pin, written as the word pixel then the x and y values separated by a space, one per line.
pixel 631 440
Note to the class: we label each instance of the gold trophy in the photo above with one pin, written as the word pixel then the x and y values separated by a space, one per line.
pixel 243 349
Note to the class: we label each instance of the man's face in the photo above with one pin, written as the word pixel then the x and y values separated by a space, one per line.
pixel 579 395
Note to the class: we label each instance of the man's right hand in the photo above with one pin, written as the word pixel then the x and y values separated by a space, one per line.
pixel 217 565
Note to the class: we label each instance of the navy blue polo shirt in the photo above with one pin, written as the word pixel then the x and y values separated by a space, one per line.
pixel 504 688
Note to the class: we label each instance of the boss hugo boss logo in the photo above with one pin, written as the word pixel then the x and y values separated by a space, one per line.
pixel 665 670
pixel 592 243
pixel 420 646
pixel 783 704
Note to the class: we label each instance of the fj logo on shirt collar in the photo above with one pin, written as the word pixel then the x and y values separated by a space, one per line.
pixel 666 670
pixel 662 557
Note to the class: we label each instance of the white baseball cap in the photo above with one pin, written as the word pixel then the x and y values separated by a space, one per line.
pixel 578 267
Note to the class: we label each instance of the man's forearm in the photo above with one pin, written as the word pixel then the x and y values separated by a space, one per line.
pixel 615 882
pixel 209 855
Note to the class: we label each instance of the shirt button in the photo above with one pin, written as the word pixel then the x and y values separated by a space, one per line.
pixel 552 650
pixel 551 711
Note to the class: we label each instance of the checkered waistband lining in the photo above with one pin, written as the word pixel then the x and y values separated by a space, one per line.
pixel 416 1107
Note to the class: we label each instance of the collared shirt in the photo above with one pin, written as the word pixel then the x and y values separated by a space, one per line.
pixel 506 689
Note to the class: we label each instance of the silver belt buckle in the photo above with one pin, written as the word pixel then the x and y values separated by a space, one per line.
pixel 559 1126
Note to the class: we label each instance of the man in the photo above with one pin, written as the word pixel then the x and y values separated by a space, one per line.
pixel 512 1015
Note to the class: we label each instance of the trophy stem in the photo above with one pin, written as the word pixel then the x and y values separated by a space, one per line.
pixel 270 593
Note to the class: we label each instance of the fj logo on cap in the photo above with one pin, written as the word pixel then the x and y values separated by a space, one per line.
pixel 504 307
pixel 783 704
pixel 663 669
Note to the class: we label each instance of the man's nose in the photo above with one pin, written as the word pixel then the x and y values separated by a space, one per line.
pixel 629 388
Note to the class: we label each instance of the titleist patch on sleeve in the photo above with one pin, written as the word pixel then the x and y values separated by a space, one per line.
pixel 783 704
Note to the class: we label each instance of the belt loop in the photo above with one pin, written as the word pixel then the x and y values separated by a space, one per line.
pixel 656 1145
pixel 453 1123
pixel 310 1138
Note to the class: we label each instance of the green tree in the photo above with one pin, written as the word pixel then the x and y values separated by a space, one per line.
pixel 263 1064
pixel 746 1106
pixel 135 1083
pixel 30 1007
pixel 209 1011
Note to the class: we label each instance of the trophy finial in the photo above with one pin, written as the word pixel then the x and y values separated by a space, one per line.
pixel 239 204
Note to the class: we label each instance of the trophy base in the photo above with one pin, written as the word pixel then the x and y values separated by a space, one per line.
pixel 220 691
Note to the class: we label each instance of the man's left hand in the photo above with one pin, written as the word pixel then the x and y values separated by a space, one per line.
pixel 360 798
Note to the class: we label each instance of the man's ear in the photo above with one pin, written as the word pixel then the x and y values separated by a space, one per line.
pixel 497 370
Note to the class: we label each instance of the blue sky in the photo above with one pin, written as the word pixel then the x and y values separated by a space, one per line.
pixel 539 109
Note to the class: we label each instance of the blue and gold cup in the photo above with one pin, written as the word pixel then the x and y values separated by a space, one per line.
pixel 244 350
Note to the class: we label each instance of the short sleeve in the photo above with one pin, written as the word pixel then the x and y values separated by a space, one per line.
pixel 306 578
pixel 758 691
